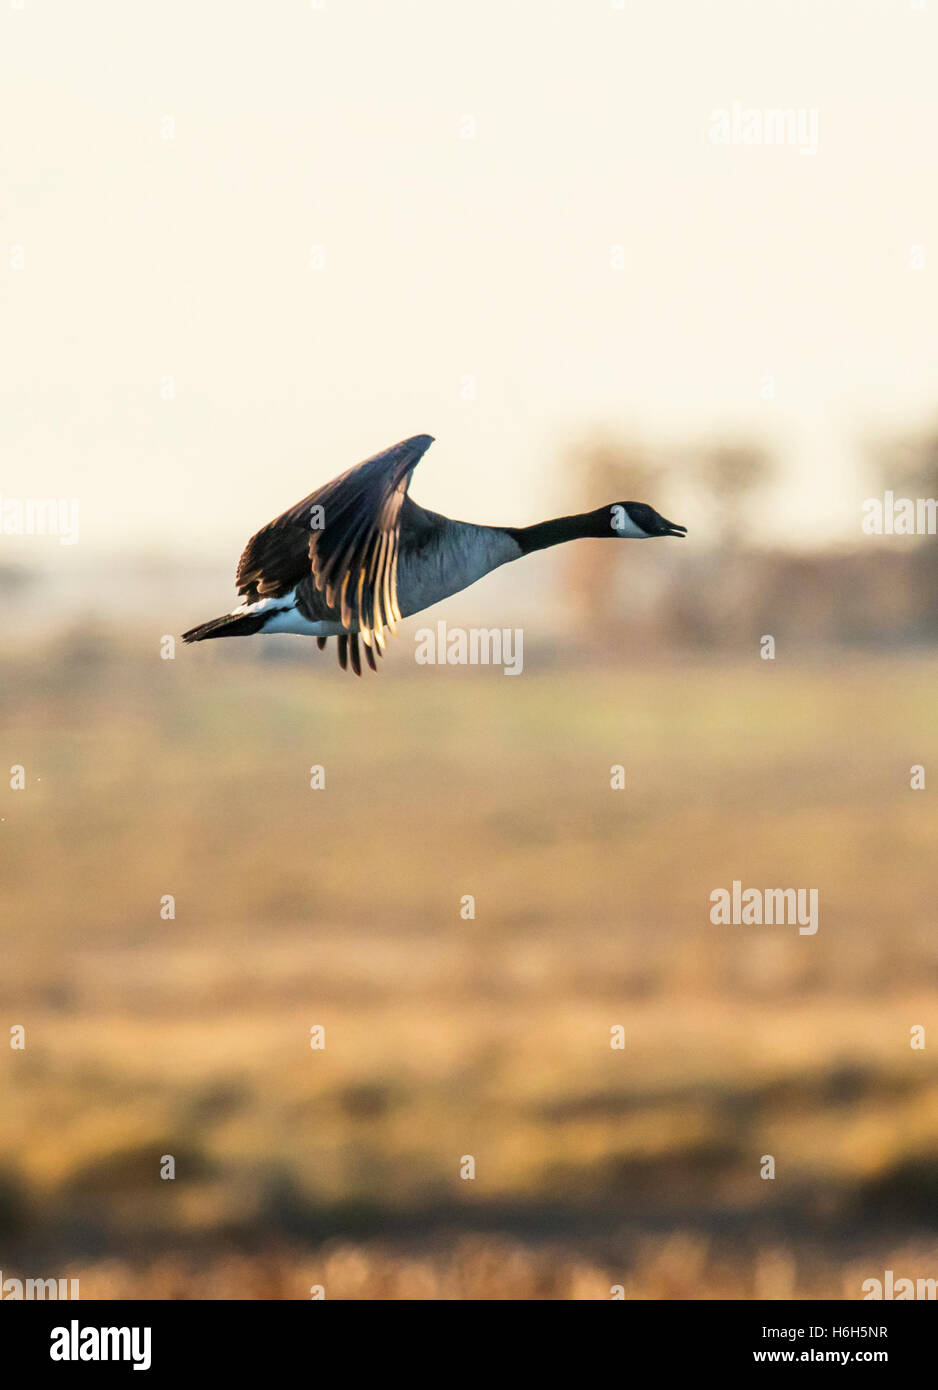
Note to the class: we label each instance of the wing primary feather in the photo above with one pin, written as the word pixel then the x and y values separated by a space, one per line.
pixel 363 616
pixel 352 559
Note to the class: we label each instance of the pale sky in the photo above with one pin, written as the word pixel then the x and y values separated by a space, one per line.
pixel 341 126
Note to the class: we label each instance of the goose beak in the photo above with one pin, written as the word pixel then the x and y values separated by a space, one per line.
pixel 671 528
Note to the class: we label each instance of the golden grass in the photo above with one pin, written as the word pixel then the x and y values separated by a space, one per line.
pixel 448 1037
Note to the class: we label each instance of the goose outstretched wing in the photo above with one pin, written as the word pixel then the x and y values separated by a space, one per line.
pixel 346 536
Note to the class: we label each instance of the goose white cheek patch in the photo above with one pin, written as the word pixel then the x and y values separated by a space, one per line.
pixel 623 525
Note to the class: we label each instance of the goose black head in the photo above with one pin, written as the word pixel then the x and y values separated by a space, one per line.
pixel 638 521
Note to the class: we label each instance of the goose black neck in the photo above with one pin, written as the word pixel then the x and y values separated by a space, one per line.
pixel 562 528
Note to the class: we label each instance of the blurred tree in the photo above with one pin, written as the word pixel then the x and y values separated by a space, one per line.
pixel 730 472
pixel 907 465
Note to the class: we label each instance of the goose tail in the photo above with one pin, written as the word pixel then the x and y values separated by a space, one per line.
pixel 229 625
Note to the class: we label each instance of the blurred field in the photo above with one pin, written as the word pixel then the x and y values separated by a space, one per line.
pixel 446 1037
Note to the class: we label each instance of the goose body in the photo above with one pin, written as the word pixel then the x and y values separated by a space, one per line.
pixel 358 554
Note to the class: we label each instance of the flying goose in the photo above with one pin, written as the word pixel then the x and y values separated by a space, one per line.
pixel 358 554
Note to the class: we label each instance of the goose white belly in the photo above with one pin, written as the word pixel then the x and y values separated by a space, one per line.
pixel 286 617
pixel 293 621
